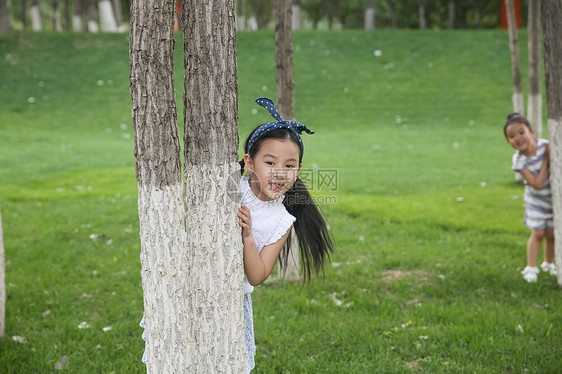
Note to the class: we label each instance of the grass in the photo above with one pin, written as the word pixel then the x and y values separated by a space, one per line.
pixel 427 220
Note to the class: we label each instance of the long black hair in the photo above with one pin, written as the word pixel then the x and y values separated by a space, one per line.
pixel 315 242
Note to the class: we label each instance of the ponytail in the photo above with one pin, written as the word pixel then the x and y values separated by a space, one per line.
pixel 314 240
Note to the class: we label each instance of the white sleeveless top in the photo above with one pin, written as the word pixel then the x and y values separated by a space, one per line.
pixel 270 220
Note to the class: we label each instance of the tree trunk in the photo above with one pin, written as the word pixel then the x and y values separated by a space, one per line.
pixel 534 100
pixel 451 16
pixel 297 18
pixel 2 282
pixel 35 16
pixel 92 17
pixel 394 11
pixel 55 16
pixel 5 23
pixel 551 12
pixel 77 24
pixel 214 243
pixel 421 13
pixel 240 16
pixel 369 23
pixel 66 13
pixel 24 21
pixel 285 88
pixel 118 12
pixel 515 64
pixel 107 18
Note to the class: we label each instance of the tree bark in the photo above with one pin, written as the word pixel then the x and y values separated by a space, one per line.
pixel 369 23
pixel 451 15
pixel 5 23
pixel 2 282
pixel 551 12
pixel 35 16
pixel 534 100
pixel 215 328
pixel 285 91
pixel 158 169
pixel 297 18
pixel 515 64
pixel 107 18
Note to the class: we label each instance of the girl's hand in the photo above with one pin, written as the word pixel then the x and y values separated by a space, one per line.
pixel 245 220
pixel 547 154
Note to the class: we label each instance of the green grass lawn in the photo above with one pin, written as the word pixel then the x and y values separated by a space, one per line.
pixel 425 213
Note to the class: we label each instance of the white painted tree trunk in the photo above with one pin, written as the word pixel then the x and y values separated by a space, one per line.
pixel 297 18
pixel 214 241
pixel 107 18
pixel 2 282
pixel 534 100
pixel 92 22
pixel 451 15
pixel 551 15
pixel 240 16
pixel 515 64
pixel 369 22
pixel 215 271
pixel 36 17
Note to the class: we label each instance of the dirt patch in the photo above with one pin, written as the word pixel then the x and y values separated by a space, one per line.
pixel 394 275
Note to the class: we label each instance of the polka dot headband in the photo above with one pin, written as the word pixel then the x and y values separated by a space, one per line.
pixel 295 127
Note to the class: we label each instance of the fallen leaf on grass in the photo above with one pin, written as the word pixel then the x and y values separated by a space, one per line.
pixel 61 363
pixel 18 339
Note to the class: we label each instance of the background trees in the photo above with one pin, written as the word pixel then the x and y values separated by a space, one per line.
pixel 440 14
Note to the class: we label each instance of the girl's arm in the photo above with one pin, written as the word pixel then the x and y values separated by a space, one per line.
pixel 538 181
pixel 258 266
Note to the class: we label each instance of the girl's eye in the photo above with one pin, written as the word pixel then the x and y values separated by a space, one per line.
pixel 269 163
pixel 289 166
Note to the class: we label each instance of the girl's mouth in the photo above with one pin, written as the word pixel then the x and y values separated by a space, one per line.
pixel 276 186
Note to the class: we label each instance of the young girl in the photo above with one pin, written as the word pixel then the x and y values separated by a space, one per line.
pixel 273 200
pixel 532 161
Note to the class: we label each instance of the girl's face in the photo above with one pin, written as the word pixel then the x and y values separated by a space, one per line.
pixel 274 168
pixel 520 137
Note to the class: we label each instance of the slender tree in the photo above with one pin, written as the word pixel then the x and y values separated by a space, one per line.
pixel 393 4
pixel 55 16
pixel 23 13
pixel 285 90
pixel 534 100
pixel 421 13
pixel 118 12
pixel 240 16
pixel 78 16
pixel 107 17
pixel 451 15
pixel 515 64
pixel 66 16
pixel 297 19
pixel 91 15
pixel 369 23
pixel 35 16
pixel 5 23
pixel 551 15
